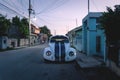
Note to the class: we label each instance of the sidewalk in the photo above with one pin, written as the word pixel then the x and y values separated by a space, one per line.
pixel 87 61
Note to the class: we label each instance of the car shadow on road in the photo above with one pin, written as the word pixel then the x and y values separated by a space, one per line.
pixel 58 62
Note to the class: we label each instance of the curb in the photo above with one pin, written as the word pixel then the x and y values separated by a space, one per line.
pixel 85 66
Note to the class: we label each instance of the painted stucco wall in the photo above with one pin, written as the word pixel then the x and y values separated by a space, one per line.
pixel 3 42
pixel 78 40
pixel 92 37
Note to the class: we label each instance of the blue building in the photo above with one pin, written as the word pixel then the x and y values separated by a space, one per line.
pixel 75 37
pixel 78 38
pixel 93 38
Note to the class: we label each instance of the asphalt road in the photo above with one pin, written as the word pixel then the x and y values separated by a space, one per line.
pixel 28 64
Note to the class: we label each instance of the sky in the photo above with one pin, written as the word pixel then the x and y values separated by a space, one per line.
pixel 60 16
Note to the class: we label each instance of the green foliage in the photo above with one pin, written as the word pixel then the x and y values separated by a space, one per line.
pixel 22 25
pixel 24 29
pixel 110 22
pixel 45 30
pixel 4 25
pixel 16 21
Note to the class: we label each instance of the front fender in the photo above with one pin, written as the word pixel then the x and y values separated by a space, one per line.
pixel 68 57
pixel 47 49
pixel 51 57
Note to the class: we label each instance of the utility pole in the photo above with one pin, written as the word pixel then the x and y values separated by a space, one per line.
pixel 76 22
pixel 67 29
pixel 88 6
pixel 29 10
pixel 54 32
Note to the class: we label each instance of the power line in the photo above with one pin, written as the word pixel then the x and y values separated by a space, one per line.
pixel 62 3
pixel 95 5
pixel 44 20
pixel 14 5
pixel 48 7
pixel 54 5
pixel 55 18
pixel 11 10
pixel 24 4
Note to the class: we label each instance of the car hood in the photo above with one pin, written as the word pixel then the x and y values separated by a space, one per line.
pixel 52 47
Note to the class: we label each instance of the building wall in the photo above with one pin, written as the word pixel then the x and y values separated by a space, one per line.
pixel 3 42
pixel 12 42
pixel 78 40
pixel 75 37
pixel 35 34
pixel 91 43
pixel 84 37
pixel 93 39
pixel 102 42
pixel 24 42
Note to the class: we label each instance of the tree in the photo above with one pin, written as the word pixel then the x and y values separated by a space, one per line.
pixel 14 28
pixel 4 25
pixel 110 22
pixel 16 21
pixel 22 26
pixel 24 29
pixel 45 30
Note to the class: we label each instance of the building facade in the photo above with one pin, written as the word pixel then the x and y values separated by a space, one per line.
pixel 75 37
pixel 3 42
pixel 93 38
pixel 35 31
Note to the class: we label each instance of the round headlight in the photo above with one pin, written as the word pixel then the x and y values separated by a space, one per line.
pixel 48 53
pixel 71 53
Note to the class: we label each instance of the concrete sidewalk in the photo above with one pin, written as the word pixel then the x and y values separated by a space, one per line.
pixel 87 61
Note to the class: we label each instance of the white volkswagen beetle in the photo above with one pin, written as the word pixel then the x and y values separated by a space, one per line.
pixel 59 50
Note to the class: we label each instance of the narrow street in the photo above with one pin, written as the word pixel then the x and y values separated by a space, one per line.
pixel 28 64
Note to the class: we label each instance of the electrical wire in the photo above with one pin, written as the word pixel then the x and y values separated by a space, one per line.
pixel 93 2
pixel 49 6
pixel 6 7
pixel 55 18
pixel 9 8
pixel 13 6
pixel 22 6
pixel 54 5
pixel 44 20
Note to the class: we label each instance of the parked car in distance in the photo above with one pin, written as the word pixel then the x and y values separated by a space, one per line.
pixel 59 49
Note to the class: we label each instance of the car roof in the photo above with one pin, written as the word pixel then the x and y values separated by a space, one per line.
pixel 58 36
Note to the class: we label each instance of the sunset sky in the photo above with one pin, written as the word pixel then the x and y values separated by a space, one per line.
pixel 59 15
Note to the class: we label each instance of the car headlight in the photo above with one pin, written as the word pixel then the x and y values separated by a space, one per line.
pixel 48 53
pixel 71 53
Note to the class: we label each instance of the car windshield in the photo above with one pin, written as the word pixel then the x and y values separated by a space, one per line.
pixel 59 39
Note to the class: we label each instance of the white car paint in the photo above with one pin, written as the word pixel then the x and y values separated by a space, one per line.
pixel 60 44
